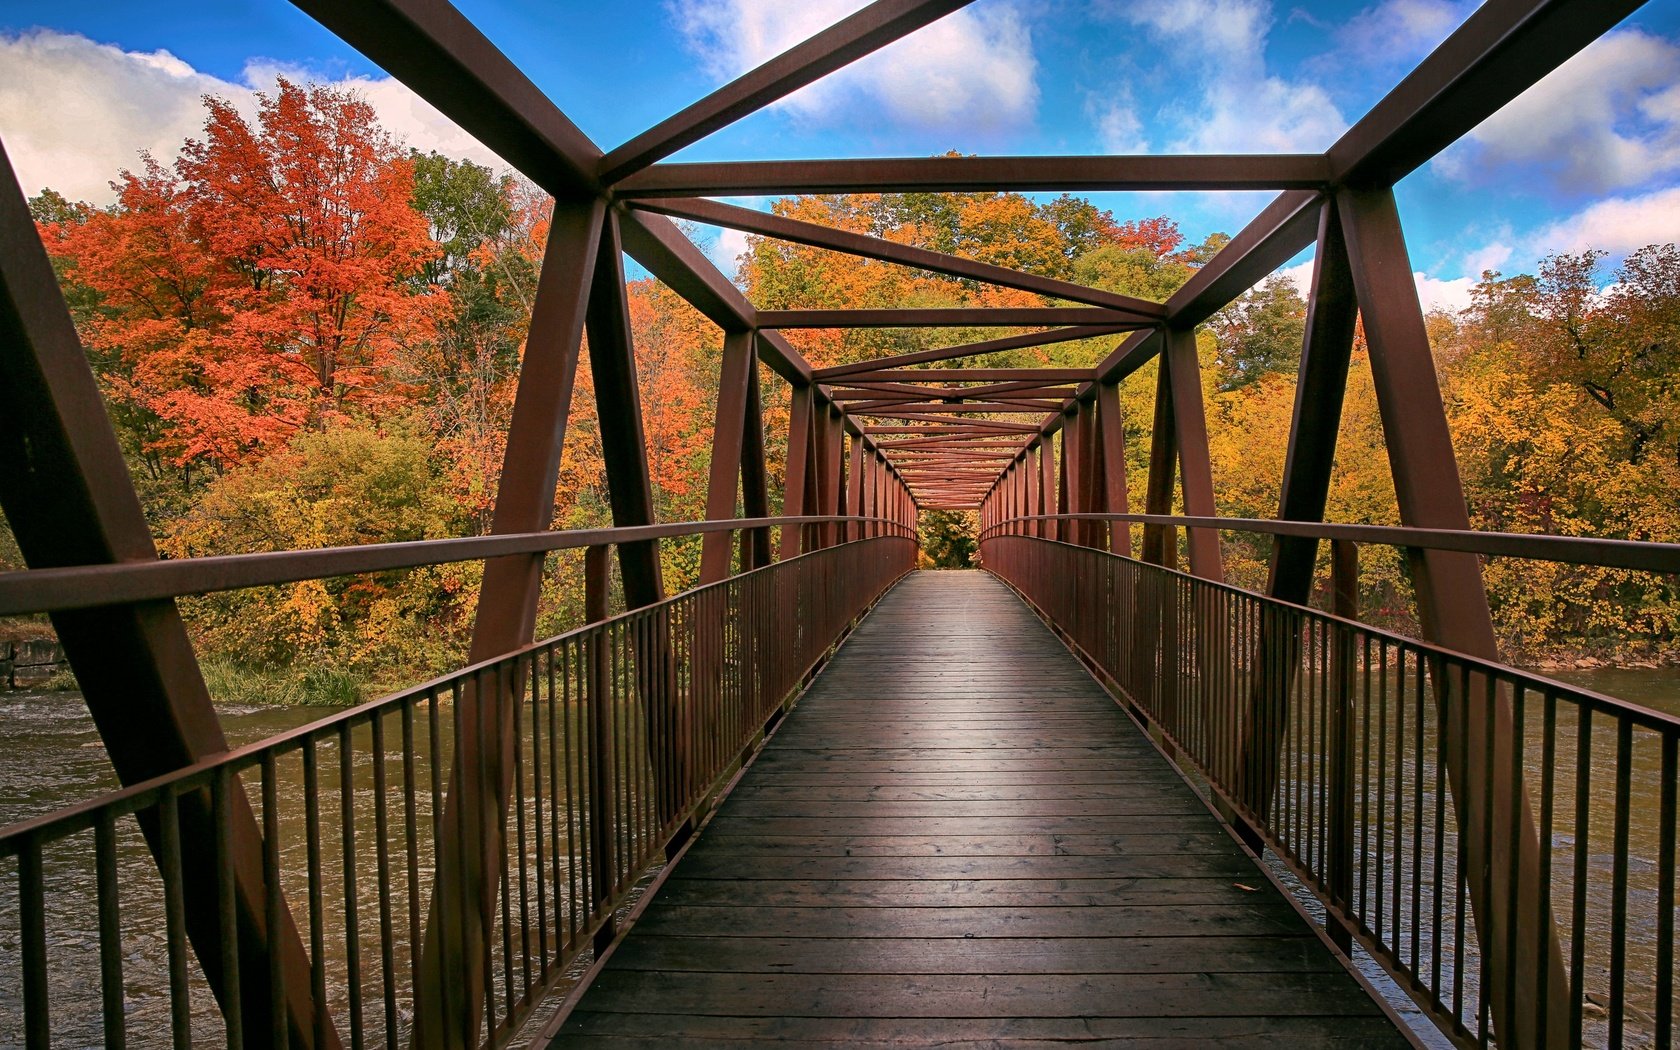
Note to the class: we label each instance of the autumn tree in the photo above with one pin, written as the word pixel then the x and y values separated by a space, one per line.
pixel 261 287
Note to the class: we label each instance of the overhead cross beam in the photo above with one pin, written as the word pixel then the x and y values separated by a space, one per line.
pixel 979 175
pixel 980 349
pixel 815 235
pixel 950 317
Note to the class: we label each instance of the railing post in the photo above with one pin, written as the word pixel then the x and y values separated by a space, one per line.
pixel 1344 577
pixel 596 563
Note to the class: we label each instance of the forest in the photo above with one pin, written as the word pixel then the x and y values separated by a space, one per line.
pixel 309 335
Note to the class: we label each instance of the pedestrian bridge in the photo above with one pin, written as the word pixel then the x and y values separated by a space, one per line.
pixel 958 838
pixel 1091 793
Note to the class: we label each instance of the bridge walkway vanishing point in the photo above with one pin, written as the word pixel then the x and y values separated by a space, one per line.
pixel 958 839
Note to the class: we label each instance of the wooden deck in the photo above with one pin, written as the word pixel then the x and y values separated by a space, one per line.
pixel 957 839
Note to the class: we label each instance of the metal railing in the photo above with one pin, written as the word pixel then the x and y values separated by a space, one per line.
pixel 621 733
pixel 1337 746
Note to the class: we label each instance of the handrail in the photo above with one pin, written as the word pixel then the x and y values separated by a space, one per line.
pixel 622 729
pixel 1644 555
pixel 87 586
pixel 1445 810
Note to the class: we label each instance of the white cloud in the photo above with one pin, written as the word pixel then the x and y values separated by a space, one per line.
pixel 1118 124
pixel 725 250
pixel 1451 295
pixel 1242 108
pixel 1434 293
pixel 74 113
pixel 1399 32
pixel 1618 225
pixel 1489 257
pixel 1301 275
pixel 1608 119
pixel 972 70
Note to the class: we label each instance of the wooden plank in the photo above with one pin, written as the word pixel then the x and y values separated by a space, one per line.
pixel 652 1031
pixel 963 995
pixel 957 838
pixel 989 893
pixel 997 956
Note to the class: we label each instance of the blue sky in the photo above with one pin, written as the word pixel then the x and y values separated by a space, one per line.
pixel 1590 157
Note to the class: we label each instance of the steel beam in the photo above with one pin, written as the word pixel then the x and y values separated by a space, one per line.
pixel 1160 542
pixel 1503 48
pixel 962 350
pixel 612 360
pixel 1194 463
pixel 728 441
pixel 1115 498
pixel 975 375
pixel 1332 311
pixel 716 213
pixel 845 42
pixel 979 175
pixel 1453 611
pixel 440 55
pixel 798 466
pixel 755 477
pixel 952 317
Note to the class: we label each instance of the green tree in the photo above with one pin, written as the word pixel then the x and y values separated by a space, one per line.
pixel 948 538
pixel 1261 333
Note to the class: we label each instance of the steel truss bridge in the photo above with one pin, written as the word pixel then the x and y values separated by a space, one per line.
pixel 1014 808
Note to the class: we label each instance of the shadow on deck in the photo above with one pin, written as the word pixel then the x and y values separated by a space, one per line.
pixel 958 839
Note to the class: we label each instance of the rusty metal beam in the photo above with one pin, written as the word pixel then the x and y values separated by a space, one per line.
pixel 755 476
pixel 728 438
pixel 951 317
pixel 1453 611
pixel 1319 388
pixel 435 51
pixel 1115 497
pixel 980 349
pixel 976 375
pixel 716 213
pixel 979 175
pixel 1503 48
pixel 1195 466
pixel 798 464
pixel 846 41
pixel 612 359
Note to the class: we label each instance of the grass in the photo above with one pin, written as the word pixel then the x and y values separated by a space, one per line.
pixel 310 686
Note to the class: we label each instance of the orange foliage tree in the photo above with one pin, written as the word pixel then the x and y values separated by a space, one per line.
pixel 261 287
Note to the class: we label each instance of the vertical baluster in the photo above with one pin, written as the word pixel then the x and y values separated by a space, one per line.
pixel 382 863
pixel 1583 834
pixel 411 843
pixel 174 919
pixel 110 932
pixel 274 906
pixel 1664 1027
pixel 227 915
pixel 1543 895
pixel 352 911
pixel 1619 881
pixel 514 697
pixel 539 828
pixel 32 906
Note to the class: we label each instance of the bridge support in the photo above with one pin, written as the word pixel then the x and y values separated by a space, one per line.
pixel 1519 940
